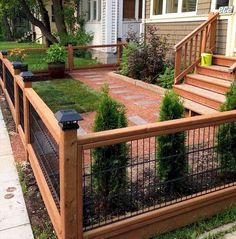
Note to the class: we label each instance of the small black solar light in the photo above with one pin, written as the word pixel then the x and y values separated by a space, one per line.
pixel 68 119
pixel 27 76
pixel 17 65
pixel 4 52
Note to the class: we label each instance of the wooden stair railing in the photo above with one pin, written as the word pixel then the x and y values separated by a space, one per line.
pixel 188 51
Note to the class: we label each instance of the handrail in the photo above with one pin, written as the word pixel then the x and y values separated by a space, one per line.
pixel 188 50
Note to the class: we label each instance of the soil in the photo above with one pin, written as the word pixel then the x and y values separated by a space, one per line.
pixel 40 222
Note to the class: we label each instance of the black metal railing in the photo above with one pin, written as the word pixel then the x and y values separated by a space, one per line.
pixel 10 85
pixel 21 108
pixel 47 152
pixel 127 179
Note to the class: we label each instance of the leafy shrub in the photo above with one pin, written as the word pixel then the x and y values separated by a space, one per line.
pixel 56 54
pixel 147 60
pixel 226 136
pixel 110 162
pixel 167 78
pixel 171 149
pixel 127 51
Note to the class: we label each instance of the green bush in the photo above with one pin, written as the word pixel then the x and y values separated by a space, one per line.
pixel 171 149
pixel 127 51
pixel 110 162
pixel 226 136
pixel 56 54
pixel 167 79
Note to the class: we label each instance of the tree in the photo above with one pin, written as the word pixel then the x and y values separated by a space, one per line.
pixel 110 162
pixel 171 149
pixel 226 136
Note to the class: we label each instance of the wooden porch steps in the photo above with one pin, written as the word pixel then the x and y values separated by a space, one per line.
pixel 204 91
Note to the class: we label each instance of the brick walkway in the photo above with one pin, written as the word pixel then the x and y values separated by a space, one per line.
pixel 142 104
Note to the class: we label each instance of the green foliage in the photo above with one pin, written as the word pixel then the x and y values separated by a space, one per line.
pixel 167 78
pixel 127 51
pixel 56 54
pixel 110 162
pixel 171 150
pixel 226 136
pixel 146 60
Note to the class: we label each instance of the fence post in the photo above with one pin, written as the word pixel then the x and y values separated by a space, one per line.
pixel 119 50
pixel 27 77
pixel 178 56
pixel 17 66
pixel 4 55
pixel 70 57
pixel 212 45
pixel 68 158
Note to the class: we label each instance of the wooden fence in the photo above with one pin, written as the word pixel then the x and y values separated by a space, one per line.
pixel 89 56
pixel 63 164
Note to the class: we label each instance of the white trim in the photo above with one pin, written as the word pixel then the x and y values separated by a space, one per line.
pixel 179 19
pixel 179 13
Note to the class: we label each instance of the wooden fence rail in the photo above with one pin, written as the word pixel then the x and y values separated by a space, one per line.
pixel 62 162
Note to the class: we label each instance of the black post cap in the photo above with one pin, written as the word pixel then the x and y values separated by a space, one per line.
pixel 68 119
pixel 27 76
pixel 4 52
pixel 17 65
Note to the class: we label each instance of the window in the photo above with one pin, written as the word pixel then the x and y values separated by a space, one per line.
pixel 222 3
pixel 157 7
pixel 94 10
pixel 162 7
pixel 129 9
pixel 189 5
pixel 171 6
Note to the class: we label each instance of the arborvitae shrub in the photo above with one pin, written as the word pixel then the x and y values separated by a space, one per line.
pixel 171 149
pixel 110 162
pixel 226 136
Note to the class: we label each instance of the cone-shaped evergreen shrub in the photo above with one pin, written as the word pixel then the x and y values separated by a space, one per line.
pixel 226 136
pixel 110 162
pixel 171 150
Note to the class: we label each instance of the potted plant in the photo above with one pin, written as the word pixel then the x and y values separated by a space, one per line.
pixel 56 57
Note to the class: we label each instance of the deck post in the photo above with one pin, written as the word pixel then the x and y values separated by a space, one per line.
pixel 4 56
pixel 70 57
pixel 17 66
pixel 68 173
pixel 27 77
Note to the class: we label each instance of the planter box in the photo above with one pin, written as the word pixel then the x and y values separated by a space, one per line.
pixel 154 88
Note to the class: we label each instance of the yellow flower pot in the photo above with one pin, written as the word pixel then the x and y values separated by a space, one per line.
pixel 206 59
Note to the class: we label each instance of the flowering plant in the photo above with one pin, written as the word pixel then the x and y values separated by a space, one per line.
pixel 17 54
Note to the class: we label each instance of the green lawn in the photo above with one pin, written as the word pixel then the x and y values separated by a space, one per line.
pixel 201 226
pixel 4 45
pixel 67 94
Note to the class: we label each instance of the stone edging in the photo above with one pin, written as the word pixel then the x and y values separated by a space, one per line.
pixel 154 88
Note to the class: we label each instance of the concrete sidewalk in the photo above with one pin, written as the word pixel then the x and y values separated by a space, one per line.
pixel 14 220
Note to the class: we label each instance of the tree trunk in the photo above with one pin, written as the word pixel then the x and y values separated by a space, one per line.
pixel 45 19
pixel 36 22
pixel 59 17
pixel 7 28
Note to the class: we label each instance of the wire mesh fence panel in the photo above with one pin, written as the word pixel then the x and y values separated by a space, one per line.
pixel 47 152
pixel 10 85
pixel 21 108
pixel 135 177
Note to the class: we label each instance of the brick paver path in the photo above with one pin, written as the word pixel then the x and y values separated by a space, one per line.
pixel 142 104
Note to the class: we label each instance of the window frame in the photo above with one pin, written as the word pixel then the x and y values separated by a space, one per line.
pixel 93 18
pixel 213 5
pixel 179 13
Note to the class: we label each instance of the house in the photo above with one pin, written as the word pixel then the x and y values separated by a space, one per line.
pixel 190 31
pixel 175 19
pixel 112 19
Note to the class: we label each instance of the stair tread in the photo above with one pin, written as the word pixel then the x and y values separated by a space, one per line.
pixel 202 92
pixel 198 108
pixel 217 68
pixel 210 79
pixel 225 57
